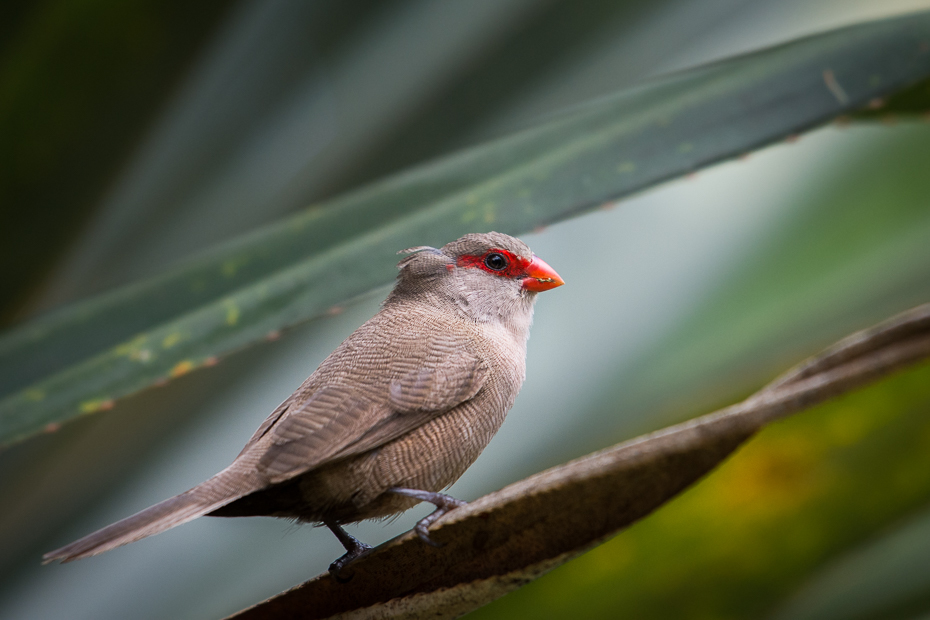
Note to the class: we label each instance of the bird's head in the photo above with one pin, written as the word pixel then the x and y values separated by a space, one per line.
pixel 487 277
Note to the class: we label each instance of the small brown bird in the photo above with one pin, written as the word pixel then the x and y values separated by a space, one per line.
pixel 393 416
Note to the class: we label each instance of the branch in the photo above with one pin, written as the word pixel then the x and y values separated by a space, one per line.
pixel 508 538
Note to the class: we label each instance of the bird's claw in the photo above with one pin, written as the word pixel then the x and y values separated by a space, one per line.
pixel 423 525
pixel 335 569
pixel 444 503
pixel 423 533
pixel 354 550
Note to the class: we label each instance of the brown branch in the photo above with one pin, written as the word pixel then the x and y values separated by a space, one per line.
pixel 508 538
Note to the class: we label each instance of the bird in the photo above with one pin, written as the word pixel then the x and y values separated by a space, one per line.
pixel 389 419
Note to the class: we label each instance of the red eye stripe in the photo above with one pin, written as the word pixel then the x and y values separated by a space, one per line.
pixel 516 265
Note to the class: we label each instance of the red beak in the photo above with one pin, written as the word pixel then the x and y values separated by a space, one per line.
pixel 542 277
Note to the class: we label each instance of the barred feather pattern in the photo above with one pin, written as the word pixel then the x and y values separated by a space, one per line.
pixel 408 400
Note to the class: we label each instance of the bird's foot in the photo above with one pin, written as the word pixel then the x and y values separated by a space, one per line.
pixel 444 503
pixel 354 550
pixel 335 569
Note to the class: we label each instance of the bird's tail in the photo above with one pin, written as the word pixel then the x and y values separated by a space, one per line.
pixel 206 497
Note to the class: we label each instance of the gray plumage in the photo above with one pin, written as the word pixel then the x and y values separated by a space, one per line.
pixel 409 400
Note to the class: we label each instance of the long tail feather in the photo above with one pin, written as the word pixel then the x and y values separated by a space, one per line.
pixel 204 498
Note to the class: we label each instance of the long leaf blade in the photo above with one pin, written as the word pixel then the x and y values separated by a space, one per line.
pixel 80 359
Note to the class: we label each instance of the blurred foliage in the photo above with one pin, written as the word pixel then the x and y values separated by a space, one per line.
pixel 80 81
pixel 503 73
pixel 742 539
pixel 885 578
pixel 910 102
pixel 859 237
pixel 276 277
pixel 854 249
pixel 77 79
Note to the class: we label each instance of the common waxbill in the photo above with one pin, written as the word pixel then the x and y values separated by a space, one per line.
pixel 393 416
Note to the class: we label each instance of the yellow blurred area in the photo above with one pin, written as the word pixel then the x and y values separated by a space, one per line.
pixel 799 493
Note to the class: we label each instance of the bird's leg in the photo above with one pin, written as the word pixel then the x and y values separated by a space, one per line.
pixel 443 503
pixel 354 550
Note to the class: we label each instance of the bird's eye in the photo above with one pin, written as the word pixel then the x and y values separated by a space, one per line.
pixel 495 261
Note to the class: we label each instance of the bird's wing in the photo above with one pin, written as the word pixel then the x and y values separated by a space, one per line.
pixel 366 404
pixel 269 421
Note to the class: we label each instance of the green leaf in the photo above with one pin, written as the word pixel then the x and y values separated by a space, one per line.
pixel 83 357
pixel 913 101
pixel 885 577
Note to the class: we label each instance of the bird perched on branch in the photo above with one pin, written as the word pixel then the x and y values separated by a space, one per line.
pixel 393 416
